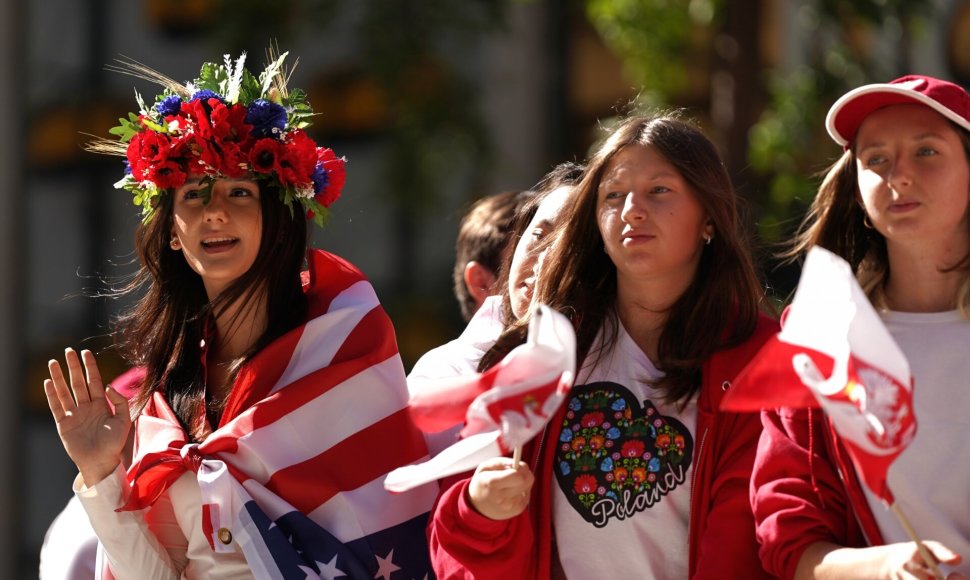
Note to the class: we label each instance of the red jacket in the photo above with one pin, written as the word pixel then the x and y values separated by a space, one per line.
pixel 466 544
pixel 805 490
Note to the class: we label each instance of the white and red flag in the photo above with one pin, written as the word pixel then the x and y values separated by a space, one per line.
pixel 502 408
pixel 833 342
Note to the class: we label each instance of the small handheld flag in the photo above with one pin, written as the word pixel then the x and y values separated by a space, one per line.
pixel 834 343
pixel 506 405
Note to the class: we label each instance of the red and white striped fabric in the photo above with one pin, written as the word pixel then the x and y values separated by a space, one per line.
pixel 314 422
pixel 502 408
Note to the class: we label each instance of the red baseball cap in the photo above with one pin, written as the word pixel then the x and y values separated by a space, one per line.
pixel 946 98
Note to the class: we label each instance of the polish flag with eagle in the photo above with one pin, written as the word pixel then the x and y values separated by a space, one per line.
pixel 294 472
pixel 833 342
pixel 502 408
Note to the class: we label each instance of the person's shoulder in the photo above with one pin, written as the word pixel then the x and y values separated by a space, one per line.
pixel 765 327
pixel 454 358
pixel 70 545
pixel 326 263
pixel 329 276
pixel 128 382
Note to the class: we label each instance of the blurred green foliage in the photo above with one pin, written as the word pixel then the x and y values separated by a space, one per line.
pixel 655 39
pixel 840 44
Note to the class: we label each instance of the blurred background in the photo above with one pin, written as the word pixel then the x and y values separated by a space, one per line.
pixel 434 103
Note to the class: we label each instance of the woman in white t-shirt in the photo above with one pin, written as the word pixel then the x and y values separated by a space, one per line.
pixel 638 474
pixel 895 206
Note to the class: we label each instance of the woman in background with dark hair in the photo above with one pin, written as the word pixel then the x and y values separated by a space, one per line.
pixel 538 212
pixel 261 381
pixel 638 474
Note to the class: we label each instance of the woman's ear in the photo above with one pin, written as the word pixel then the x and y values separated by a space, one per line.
pixel 175 243
pixel 709 229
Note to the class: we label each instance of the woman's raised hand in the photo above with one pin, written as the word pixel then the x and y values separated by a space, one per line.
pixel 500 490
pixel 92 432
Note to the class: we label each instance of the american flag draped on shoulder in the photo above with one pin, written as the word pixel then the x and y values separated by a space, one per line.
pixel 295 470
pixel 502 408
pixel 833 342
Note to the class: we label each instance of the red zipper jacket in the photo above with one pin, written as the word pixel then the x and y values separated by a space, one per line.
pixel 466 544
pixel 805 490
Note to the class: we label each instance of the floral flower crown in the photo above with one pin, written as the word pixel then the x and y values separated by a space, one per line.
pixel 225 124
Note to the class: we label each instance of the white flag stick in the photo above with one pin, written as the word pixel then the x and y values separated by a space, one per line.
pixel 533 340
pixel 923 550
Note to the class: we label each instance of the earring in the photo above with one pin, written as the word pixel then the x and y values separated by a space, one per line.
pixel 865 222
pixel 175 244
pixel 707 239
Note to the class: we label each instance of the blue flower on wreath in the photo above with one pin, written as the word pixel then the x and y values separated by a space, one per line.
pixel 170 105
pixel 574 404
pixel 268 120
pixel 654 465
pixel 613 433
pixel 564 468
pixel 566 435
pixel 320 177
pixel 127 167
pixel 607 465
pixel 205 95
pixel 618 405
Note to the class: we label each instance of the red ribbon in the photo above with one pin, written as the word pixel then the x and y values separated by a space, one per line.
pixel 157 467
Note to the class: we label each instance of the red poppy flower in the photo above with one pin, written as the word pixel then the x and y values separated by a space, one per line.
pixel 632 448
pixel 585 484
pixel 594 419
pixel 198 116
pixel 264 155
pixel 145 150
pixel 233 161
pixel 229 123
pixel 297 160
pixel 167 175
pixel 334 176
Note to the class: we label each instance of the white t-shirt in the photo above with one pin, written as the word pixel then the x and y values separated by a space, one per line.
pixel 457 358
pixel 622 485
pixel 931 478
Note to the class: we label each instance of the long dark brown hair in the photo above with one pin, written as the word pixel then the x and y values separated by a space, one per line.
pixel 837 222
pixel 719 309
pixel 163 330
pixel 562 175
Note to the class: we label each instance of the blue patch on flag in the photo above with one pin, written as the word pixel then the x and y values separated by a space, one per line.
pixel 299 546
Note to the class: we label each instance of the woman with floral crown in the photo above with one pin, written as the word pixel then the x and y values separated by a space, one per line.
pixel 273 401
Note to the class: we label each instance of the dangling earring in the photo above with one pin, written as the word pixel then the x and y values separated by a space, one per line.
pixel 175 244
pixel 707 239
pixel 865 221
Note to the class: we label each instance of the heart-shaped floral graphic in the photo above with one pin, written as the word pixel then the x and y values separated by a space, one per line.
pixel 615 457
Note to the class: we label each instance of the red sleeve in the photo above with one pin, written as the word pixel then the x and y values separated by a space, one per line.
pixel 466 544
pixel 727 547
pixel 796 492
